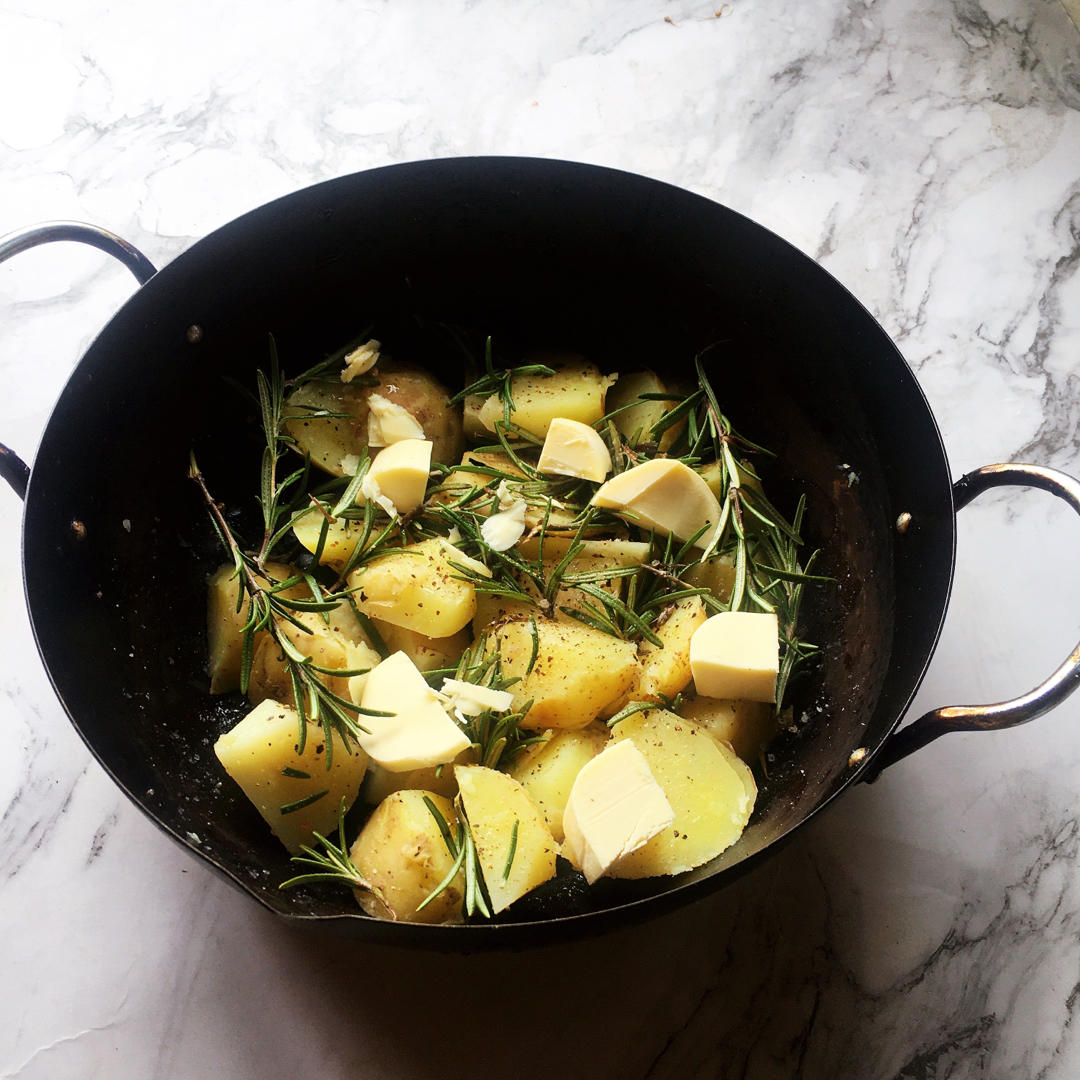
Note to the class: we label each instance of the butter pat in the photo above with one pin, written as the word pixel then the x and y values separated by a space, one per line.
pixel 572 448
pixel 664 495
pixel 399 475
pixel 736 654
pixel 388 423
pixel 614 808
pixel 419 733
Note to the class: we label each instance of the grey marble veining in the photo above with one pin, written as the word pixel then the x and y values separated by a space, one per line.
pixel 925 928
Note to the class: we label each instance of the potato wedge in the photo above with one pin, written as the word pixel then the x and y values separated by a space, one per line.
pixel 576 671
pixel 416 588
pixel 665 671
pixel 295 792
pixel 575 392
pixel 716 574
pixel 225 623
pixel 547 770
pixel 427 653
pixel 327 646
pixel 513 843
pixel 638 415
pixel 402 855
pixel 747 726
pixel 710 789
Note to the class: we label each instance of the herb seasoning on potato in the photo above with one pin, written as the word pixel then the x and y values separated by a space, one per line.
pixel 542 653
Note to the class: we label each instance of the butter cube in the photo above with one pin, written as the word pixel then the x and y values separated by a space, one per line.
pixel 420 733
pixel 665 495
pixel 614 808
pixel 399 475
pixel 572 448
pixel 736 654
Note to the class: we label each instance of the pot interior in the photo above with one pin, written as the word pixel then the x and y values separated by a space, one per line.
pixel 628 271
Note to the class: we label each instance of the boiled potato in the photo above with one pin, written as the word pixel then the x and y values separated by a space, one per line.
pixel 327 646
pixel 746 725
pixel 416 588
pixel 502 818
pixel 380 782
pixel 402 855
pixel 636 420
pixel 538 508
pixel 427 653
pixel 665 671
pixel 710 790
pixel 547 770
pixel 260 753
pixel 330 441
pixel 575 392
pixel 593 555
pixel 576 673
pixel 717 574
pixel 225 624
pixel 342 536
pixel 713 475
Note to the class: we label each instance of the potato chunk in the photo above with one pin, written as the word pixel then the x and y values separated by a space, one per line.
pixel 711 791
pixel 416 588
pixel 746 725
pixel 333 440
pixel 547 770
pixel 638 415
pixel 224 624
pixel 295 792
pixel 575 392
pixel 425 652
pixel 665 671
pixel 401 853
pixel 503 819
pixel 324 642
pixel 576 672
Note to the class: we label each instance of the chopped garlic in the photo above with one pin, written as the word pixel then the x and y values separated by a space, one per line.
pixel 469 699
pixel 362 359
pixel 373 493
pixel 349 464
pixel 389 423
pixel 503 530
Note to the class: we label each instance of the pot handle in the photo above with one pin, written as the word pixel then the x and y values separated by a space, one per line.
pixel 12 468
pixel 1048 694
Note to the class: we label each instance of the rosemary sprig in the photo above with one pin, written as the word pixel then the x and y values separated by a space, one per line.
pixel 462 847
pixel 498 380
pixel 334 864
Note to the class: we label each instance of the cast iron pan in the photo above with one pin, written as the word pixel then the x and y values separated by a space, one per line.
pixel 627 270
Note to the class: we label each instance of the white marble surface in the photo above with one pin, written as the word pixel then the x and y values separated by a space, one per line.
pixel 929 155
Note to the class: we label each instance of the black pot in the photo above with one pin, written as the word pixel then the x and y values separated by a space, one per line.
pixel 627 270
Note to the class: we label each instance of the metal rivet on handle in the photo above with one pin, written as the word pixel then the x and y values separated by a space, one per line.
pixel 194 334
pixel 902 523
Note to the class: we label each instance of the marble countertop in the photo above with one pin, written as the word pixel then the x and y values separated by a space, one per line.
pixel 927 927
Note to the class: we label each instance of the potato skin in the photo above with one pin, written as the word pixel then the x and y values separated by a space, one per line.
pixel 402 854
